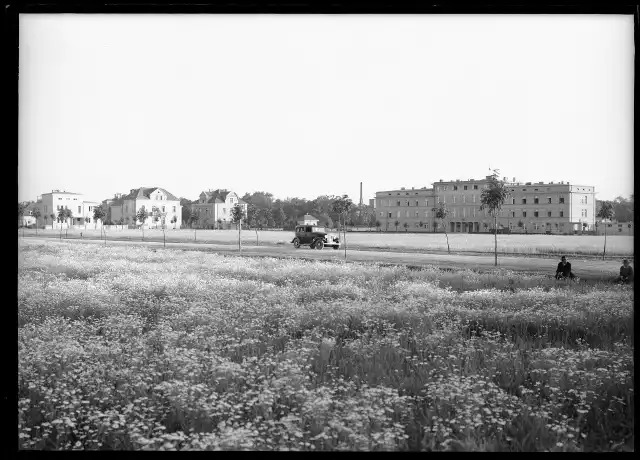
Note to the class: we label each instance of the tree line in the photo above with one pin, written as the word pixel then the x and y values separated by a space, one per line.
pixel 265 212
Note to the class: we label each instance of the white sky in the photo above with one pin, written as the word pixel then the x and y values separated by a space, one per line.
pixel 309 105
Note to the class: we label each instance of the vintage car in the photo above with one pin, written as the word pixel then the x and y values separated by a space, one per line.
pixel 315 237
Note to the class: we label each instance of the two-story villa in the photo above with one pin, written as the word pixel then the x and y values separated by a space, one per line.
pixel 153 199
pixel 214 208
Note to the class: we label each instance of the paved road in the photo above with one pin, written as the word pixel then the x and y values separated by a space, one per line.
pixel 585 269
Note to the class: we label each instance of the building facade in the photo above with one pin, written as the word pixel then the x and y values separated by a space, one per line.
pixel 308 219
pixel 214 208
pixel 155 200
pixel 412 206
pixel 559 208
pixel 49 204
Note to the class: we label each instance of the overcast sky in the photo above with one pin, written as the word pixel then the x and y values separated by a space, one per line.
pixel 309 105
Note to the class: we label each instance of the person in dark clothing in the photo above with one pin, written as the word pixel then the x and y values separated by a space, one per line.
pixel 626 272
pixel 564 270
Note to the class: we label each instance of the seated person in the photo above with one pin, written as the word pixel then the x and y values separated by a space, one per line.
pixel 564 269
pixel 626 272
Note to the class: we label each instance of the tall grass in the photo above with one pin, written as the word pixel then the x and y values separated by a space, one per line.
pixel 126 348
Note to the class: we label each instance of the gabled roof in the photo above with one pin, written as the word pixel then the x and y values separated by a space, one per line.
pixel 216 196
pixel 308 217
pixel 144 193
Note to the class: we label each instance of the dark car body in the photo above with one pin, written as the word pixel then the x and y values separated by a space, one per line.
pixel 314 236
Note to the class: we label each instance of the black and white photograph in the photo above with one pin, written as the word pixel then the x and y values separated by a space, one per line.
pixel 325 232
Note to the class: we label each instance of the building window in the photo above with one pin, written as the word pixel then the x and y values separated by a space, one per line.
pixel 548 213
pixel 417 214
pixel 475 187
pixel 524 201
pixel 426 202
pixel 389 215
pixel 561 213
pixel 417 203
pixel 426 213
pixel 398 202
pixel 464 198
pixel 389 202
pixel 524 213
pixel 473 197
pixel 455 187
pixel 548 200
pixel 445 188
pixel 535 200
pixel 453 212
pixel 561 200
pixel 535 213
pixel 163 209
pixel 79 209
pixel 465 187
pixel 585 199
pixel 398 214
pixel 513 213
pixel 406 213
pixel 454 199
pixel 513 201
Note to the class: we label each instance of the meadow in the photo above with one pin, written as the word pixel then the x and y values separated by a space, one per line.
pixel 142 349
pixel 534 245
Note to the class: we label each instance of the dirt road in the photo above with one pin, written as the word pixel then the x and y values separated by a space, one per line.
pixel 585 269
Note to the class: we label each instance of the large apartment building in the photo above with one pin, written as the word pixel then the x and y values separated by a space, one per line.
pixel 538 207
pixel 413 206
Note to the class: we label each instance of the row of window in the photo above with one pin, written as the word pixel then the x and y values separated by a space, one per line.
pixel 455 187
pixel 463 200
pixel 472 213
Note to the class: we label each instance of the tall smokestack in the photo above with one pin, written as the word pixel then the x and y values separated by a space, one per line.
pixel 360 193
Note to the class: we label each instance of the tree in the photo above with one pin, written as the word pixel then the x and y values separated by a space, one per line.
pixel 282 216
pixel 174 219
pixel 341 207
pixel 62 214
pixel 493 198
pixel 237 216
pixel 68 214
pixel 253 216
pixel 155 215
pixel 52 216
pixel 193 217
pixel 378 224
pixel 98 214
pixel 142 216
pixel 21 209
pixel 219 224
pixel 435 226
pixel 606 213
pixel 406 226
pixel 442 214
pixel 396 223
pixel 421 224
pixel 584 227
pixel 485 225
pixel 121 222
pixel 87 219
pixel 267 216
pixel 36 213
pixel 521 224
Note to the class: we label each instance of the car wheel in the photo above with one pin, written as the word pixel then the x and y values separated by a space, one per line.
pixel 296 243
pixel 319 244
